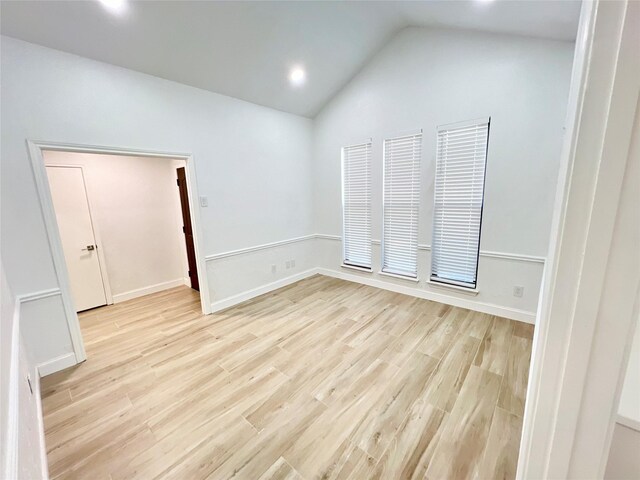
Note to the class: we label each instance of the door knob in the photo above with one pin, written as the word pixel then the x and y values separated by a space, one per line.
pixel 89 247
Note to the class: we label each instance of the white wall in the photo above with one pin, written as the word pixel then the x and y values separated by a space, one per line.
pixel 7 325
pixel 624 461
pixel 427 77
pixel 629 408
pixel 22 436
pixel 253 163
pixel 140 227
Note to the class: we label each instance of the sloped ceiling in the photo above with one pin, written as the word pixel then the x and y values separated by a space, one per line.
pixel 246 49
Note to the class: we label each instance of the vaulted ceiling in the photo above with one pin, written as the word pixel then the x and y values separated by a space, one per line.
pixel 246 49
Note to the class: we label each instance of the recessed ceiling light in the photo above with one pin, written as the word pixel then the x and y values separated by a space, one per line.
pixel 297 76
pixel 115 6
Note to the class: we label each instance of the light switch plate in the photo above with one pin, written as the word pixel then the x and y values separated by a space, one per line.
pixel 204 202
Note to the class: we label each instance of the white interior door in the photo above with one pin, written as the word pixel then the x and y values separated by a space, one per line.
pixel 70 202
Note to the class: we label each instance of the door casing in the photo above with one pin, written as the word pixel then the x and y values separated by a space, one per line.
pixel 35 149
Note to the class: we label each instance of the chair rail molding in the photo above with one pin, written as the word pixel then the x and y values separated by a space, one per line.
pixel 255 248
pixel 324 236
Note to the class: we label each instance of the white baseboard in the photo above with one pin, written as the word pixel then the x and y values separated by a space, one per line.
pixel 492 309
pixel 44 467
pixel 141 292
pixel 512 313
pixel 56 364
pixel 256 292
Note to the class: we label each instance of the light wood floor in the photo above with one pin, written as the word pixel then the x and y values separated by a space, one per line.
pixel 322 379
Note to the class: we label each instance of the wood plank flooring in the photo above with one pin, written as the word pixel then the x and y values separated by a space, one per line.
pixel 324 379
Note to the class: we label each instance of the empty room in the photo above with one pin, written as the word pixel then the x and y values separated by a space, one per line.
pixel 320 240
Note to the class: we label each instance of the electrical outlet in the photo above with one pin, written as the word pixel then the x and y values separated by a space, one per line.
pixel 288 264
pixel 518 291
pixel 273 268
pixel 293 263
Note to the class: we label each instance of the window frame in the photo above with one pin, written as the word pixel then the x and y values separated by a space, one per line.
pixel 442 280
pixel 391 273
pixel 345 262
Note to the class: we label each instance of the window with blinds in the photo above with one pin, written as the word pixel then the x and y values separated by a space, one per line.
pixel 356 205
pixel 459 193
pixel 400 203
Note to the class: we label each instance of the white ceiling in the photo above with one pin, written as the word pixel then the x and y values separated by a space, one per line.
pixel 245 49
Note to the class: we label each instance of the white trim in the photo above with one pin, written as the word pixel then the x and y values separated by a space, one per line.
pixel 44 464
pixel 579 353
pixel 141 292
pixel 629 422
pixel 256 292
pixel 242 251
pixel 512 313
pixel 464 123
pixel 11 449
pixel 483 253
pixel 35 149
pixel 323 236
pixel 359 143
pixel 360 269
pixel 198 231
pixel 492 309
pixel 401 277
pixel 10 467
pixel 31 297
pixel 55 245
pixel 129 152
pixel 403 134
pixel 467 291
pixel 56 364
pixel 513 256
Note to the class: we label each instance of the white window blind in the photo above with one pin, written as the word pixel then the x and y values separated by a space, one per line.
pixel 356 205
pixel 401 199
pixel 459 193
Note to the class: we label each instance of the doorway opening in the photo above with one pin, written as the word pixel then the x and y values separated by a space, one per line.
pixel 121 225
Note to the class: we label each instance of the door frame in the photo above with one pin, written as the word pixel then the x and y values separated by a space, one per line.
pixel 35 149
pixel 579 353
pixel 94 226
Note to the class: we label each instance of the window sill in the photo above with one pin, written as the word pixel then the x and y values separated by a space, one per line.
pixel 360 269
pixel 401 277
pixel 467 291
